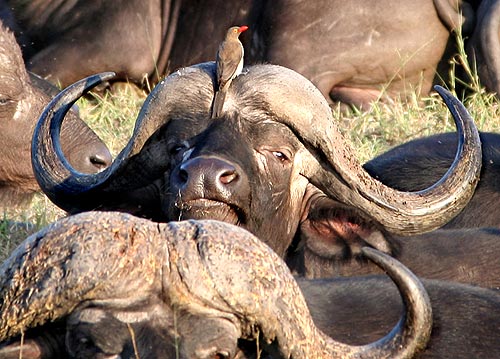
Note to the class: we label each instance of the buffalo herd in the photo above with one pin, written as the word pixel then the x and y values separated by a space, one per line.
pixel 355 52
pixel 254 232
pixel 263 167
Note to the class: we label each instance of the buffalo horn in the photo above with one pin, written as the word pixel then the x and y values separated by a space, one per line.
pixel 331 164
pixel 69 189
pixel 405 213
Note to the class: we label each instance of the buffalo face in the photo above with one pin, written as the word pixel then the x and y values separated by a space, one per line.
pixel 239 170
pixel 274 163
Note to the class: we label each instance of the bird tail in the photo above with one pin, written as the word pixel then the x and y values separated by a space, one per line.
pixel 218 103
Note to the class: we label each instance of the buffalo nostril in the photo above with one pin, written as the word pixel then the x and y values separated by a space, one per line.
pixel 100 162
pixel 228 176
pixel 207 174
pixel 183 175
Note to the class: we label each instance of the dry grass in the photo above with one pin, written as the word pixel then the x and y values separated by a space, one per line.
pixel 113 115
pixel 387 125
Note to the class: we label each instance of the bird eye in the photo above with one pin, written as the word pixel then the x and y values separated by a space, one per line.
pixel 176 148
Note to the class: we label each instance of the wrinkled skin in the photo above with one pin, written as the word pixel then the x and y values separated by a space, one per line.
pixel 22 99
pixel 390 54
pixel 115 284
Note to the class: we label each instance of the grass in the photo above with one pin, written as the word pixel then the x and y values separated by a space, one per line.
pixel 113 114
pixel 385 126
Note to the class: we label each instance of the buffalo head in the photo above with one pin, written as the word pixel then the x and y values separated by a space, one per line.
pixel 118 282
pixel 273 163
pixel 22 98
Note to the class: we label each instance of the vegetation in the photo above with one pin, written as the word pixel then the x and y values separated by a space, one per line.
pixel 372 132
pixel 112 116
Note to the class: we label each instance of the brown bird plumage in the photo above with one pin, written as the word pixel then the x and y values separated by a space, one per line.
pixel 229 65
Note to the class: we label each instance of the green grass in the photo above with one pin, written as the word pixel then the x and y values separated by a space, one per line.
pixel 113 114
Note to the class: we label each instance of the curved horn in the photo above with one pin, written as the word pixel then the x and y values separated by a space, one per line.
pixel 267 294
pixel 405 213
pixel 331 165
pixel 46 152
pixel 115 256
pixel 76 192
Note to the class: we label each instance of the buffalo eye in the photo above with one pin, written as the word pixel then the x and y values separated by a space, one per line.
pixel 176 150
pixel 280 156
pixel 221 355
pixel 5 100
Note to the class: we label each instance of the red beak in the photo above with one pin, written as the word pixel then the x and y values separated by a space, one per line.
pixel 243 28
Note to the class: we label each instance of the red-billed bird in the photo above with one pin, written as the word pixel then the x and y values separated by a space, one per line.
pixel 229 65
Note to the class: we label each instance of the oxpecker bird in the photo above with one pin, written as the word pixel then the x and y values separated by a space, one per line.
pixel 229 65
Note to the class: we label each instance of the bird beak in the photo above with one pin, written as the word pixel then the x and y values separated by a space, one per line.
pixel 242 28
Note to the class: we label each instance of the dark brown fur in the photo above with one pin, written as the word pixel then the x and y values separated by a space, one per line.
pixel 352 55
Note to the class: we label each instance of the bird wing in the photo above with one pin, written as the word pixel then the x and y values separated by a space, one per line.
pixel 228 59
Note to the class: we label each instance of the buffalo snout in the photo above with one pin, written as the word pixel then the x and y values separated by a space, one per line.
pixel 209 185
pixel 92 158
pixel 211 178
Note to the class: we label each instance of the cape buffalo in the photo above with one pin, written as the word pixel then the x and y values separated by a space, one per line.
pixel 191 288
pixel 22 99
pixel 360 309
pixel 354 52
pixel 273 163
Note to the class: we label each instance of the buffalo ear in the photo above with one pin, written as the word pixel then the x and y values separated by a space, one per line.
pixel 337 232
pixel 44 342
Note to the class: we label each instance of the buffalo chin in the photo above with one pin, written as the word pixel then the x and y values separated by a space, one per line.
pixel 207 209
